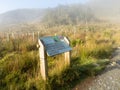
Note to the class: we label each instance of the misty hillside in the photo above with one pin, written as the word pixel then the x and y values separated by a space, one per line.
pixel 71 14
pixel 106 9
pixel 21 16
pixel 94 10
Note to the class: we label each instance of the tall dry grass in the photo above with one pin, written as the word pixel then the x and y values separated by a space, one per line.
pixel 92 47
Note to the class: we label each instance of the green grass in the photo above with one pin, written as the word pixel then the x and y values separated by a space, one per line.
pixel 20 64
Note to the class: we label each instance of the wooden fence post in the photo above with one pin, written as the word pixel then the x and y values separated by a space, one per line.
pixel 8 37
pixel 38 34
pixel 13 36
pixel 33 36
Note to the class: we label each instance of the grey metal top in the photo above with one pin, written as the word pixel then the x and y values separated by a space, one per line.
pixel 55 45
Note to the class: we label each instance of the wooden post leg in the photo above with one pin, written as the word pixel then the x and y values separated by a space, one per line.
pixel 43 62
pixel 67 58
pixel 43 68
pixel 67 54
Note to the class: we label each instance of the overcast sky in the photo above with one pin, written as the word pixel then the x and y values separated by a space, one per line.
pixel 7 5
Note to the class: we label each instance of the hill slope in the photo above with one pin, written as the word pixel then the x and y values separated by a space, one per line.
pixel 21 16
pixel 61 15
pixel 107 10
pixel 71 14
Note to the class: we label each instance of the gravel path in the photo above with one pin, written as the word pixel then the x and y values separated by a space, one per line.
pixel 108 80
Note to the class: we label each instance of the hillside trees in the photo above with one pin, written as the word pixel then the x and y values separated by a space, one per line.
pixel 72 14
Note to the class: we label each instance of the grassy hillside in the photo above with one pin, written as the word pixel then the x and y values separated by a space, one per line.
pixel 92 43
pixel 19 58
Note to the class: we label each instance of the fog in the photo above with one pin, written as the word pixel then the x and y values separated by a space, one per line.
pixel 106 9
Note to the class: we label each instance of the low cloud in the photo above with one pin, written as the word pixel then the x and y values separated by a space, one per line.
pixel 106 9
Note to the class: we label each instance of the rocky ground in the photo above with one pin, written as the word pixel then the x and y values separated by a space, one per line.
pixel 108 80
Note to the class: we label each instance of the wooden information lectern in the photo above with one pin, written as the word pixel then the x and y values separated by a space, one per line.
pixel 53 45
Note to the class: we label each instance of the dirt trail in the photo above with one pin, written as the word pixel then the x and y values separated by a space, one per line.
pixel 108 80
